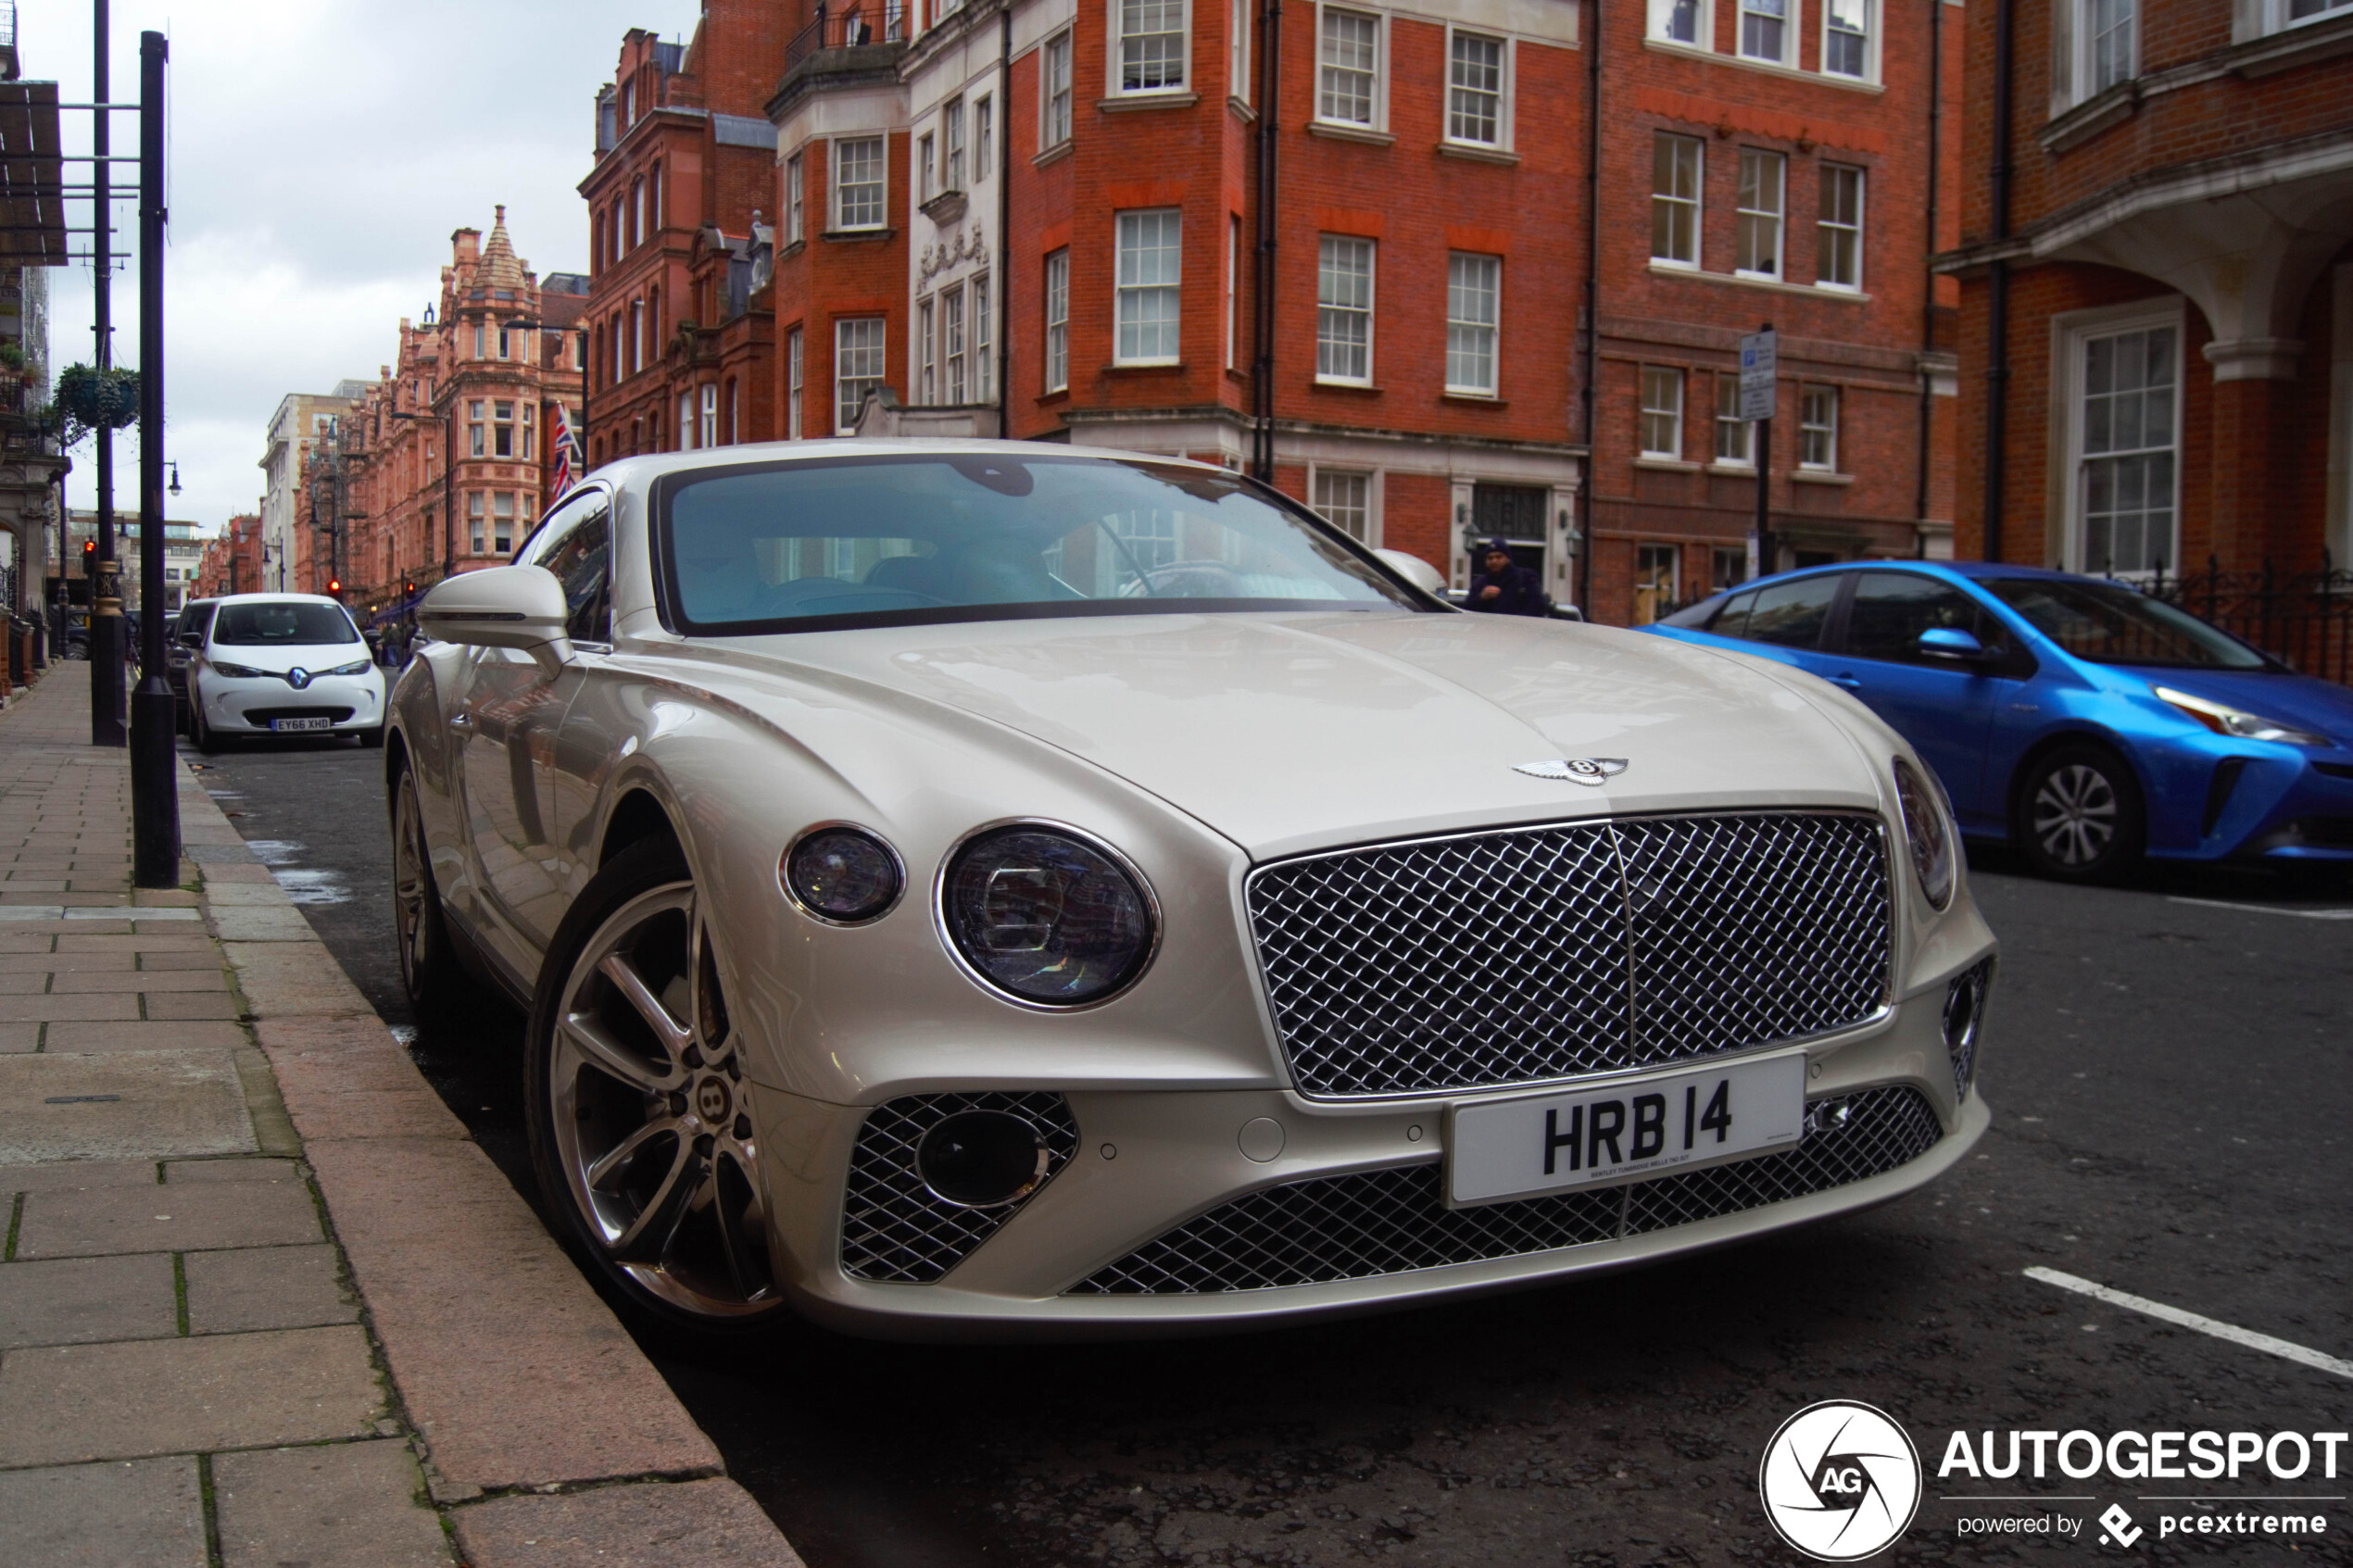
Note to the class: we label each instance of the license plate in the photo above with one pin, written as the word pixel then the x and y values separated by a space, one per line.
pixel 295 726
pixel 1624 1131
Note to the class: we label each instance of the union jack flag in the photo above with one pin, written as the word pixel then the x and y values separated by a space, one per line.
pixel 564 450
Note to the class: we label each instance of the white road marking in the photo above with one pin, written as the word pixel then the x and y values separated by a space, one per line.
pixel 2264 909
pixel 2231 1332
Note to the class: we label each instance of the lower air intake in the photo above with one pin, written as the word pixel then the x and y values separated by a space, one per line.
pixel 893 1226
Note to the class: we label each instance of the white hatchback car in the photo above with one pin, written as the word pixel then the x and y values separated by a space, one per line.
pixel 276 664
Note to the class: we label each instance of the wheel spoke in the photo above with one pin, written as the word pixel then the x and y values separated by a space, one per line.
pixel 609 1163
pixel 674 1036
pixel 609 1056
pixel 648 1237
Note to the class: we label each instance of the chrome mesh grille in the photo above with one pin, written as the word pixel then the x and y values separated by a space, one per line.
pixel 892 1225
pixel 1546 953
pixel 1395 1221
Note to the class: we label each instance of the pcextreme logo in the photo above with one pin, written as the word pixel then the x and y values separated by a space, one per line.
pixel 1840 1480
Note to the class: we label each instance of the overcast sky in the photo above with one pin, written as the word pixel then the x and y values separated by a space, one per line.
pixel 320 153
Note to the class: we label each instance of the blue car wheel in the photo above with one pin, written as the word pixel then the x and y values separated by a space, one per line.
pixel 2081 816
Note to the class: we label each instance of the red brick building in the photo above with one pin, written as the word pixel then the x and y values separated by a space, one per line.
pixel 232 561
pixel 483 377
pixel 680 344
pixel 2156 272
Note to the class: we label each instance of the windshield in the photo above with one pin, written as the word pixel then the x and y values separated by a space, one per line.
pixel 282 623
pixel 900 541
pixel 2106 623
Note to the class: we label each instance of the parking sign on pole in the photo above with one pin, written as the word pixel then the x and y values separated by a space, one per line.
pixel 1759 365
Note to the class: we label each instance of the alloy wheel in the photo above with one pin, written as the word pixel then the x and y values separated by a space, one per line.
pixel 649 1112
pixel 2075 813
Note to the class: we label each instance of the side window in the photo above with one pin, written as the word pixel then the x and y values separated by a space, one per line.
pixel 1791 615
pixel 1891 608
pixel 580 560
pixel 1732 620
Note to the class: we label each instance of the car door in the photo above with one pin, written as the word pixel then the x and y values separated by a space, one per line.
pixel 504 720
pixel 1943 706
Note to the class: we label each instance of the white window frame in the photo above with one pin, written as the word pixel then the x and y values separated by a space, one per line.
pixel 2084 46
pixel 953 149
pixel 1702 16
pixel 1233 285
pixel 794 387
pixel 1696 202
pixel 1055 59
pixel 837 185
pixel 1492 329
pixel 2071 333
pixel 1123 293
pixel 984 329
pixel 1238 24
pixel 1055 309
pixel 926 151
pixel 710 433
pixel 1789 19
pixel 1807 425
pixel 1115 52
pixel 1647 411
pixel 1509 52
pixel 953 363
pixel 1779 215
pixel 1743 456
pixel 1869 72
pixel 926 378
pixel 1379 105
pixel 842 329
pixel 1329 313
pixel 984 137
pixel 686 421
pixel 1319 478
pixel 1823 224
pixel 2277 17
pixel 795 217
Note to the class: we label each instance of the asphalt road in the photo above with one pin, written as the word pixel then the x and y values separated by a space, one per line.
pixel 2173 1106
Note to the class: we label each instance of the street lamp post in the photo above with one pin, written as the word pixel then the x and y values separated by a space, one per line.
pixel 155 796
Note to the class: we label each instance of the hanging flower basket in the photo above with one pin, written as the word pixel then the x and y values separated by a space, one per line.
pixel 93 399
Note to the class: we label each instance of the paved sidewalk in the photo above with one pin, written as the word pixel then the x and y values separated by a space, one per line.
pixel 261 1300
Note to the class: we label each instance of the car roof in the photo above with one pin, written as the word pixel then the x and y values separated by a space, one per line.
pixel 276 598
pixel 649 465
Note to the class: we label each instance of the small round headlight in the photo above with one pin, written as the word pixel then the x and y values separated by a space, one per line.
pixel 1925 833
pixel 842 874
pixel 1046 917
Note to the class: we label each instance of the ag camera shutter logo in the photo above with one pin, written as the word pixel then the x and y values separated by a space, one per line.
pixel 1840 1480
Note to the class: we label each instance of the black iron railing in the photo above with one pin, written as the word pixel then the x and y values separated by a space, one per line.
pixel 847 27
pixel 2304 619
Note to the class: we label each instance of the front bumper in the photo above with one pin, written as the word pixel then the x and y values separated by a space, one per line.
pixel 1156 1176
pixel 246 705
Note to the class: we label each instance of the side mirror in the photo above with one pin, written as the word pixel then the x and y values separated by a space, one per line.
pixel 1413 570
pixel 501 607
pixel 1951 642
pixel 192 639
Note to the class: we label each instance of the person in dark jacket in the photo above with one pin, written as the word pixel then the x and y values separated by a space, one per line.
pixel 1501 588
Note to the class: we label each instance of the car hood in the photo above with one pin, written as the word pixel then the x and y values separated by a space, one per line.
pixel 2300 700
pixel 1291 732
pixel 278 658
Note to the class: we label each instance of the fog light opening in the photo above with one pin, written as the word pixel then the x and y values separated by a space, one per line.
pixel 1964 1011
pixel 982 1160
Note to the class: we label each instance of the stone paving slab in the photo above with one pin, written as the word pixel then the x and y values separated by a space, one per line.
pixel 156 1104
pixel 284 980
pixel 144 1397
pixel 343 1077
pixel 179 1172
pixel 74 1175
pixel 19 1037
pixel 139 1513
pixel 510 1364
pixel 333 1505
pixel 103 981
pixel 266 925
pixel 189 1004
pixel 261 1288
pixel 80 1301
pixel 651 1525
pixel 219 1035
pixel 43 1008
pixel 198 1216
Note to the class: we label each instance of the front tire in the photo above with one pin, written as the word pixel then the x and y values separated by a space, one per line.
pixel 640 1123
pixel 208 739
pixel 2081 816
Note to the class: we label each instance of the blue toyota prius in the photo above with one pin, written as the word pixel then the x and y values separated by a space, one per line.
pixel 2085 722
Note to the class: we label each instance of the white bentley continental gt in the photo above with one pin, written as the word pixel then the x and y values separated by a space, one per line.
pixel 978 889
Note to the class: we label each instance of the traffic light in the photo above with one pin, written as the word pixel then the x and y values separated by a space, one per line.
pixel 409 589
pixel 90 555
pixel 334 588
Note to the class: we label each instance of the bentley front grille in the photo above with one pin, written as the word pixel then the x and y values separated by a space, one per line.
pixel 1395 1221
pixel 893 1226
pixel 1544 953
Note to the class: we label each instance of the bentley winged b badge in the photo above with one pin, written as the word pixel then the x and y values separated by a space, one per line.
pixel 1592 771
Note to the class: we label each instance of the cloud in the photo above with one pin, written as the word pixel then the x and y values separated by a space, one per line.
pixel 320 155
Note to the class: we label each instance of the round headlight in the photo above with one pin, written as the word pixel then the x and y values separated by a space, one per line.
pixel 1925 833
pixel 1045 916
pixel 842 874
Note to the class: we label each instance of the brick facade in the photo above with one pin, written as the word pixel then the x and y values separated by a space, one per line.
pixel 2182 200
